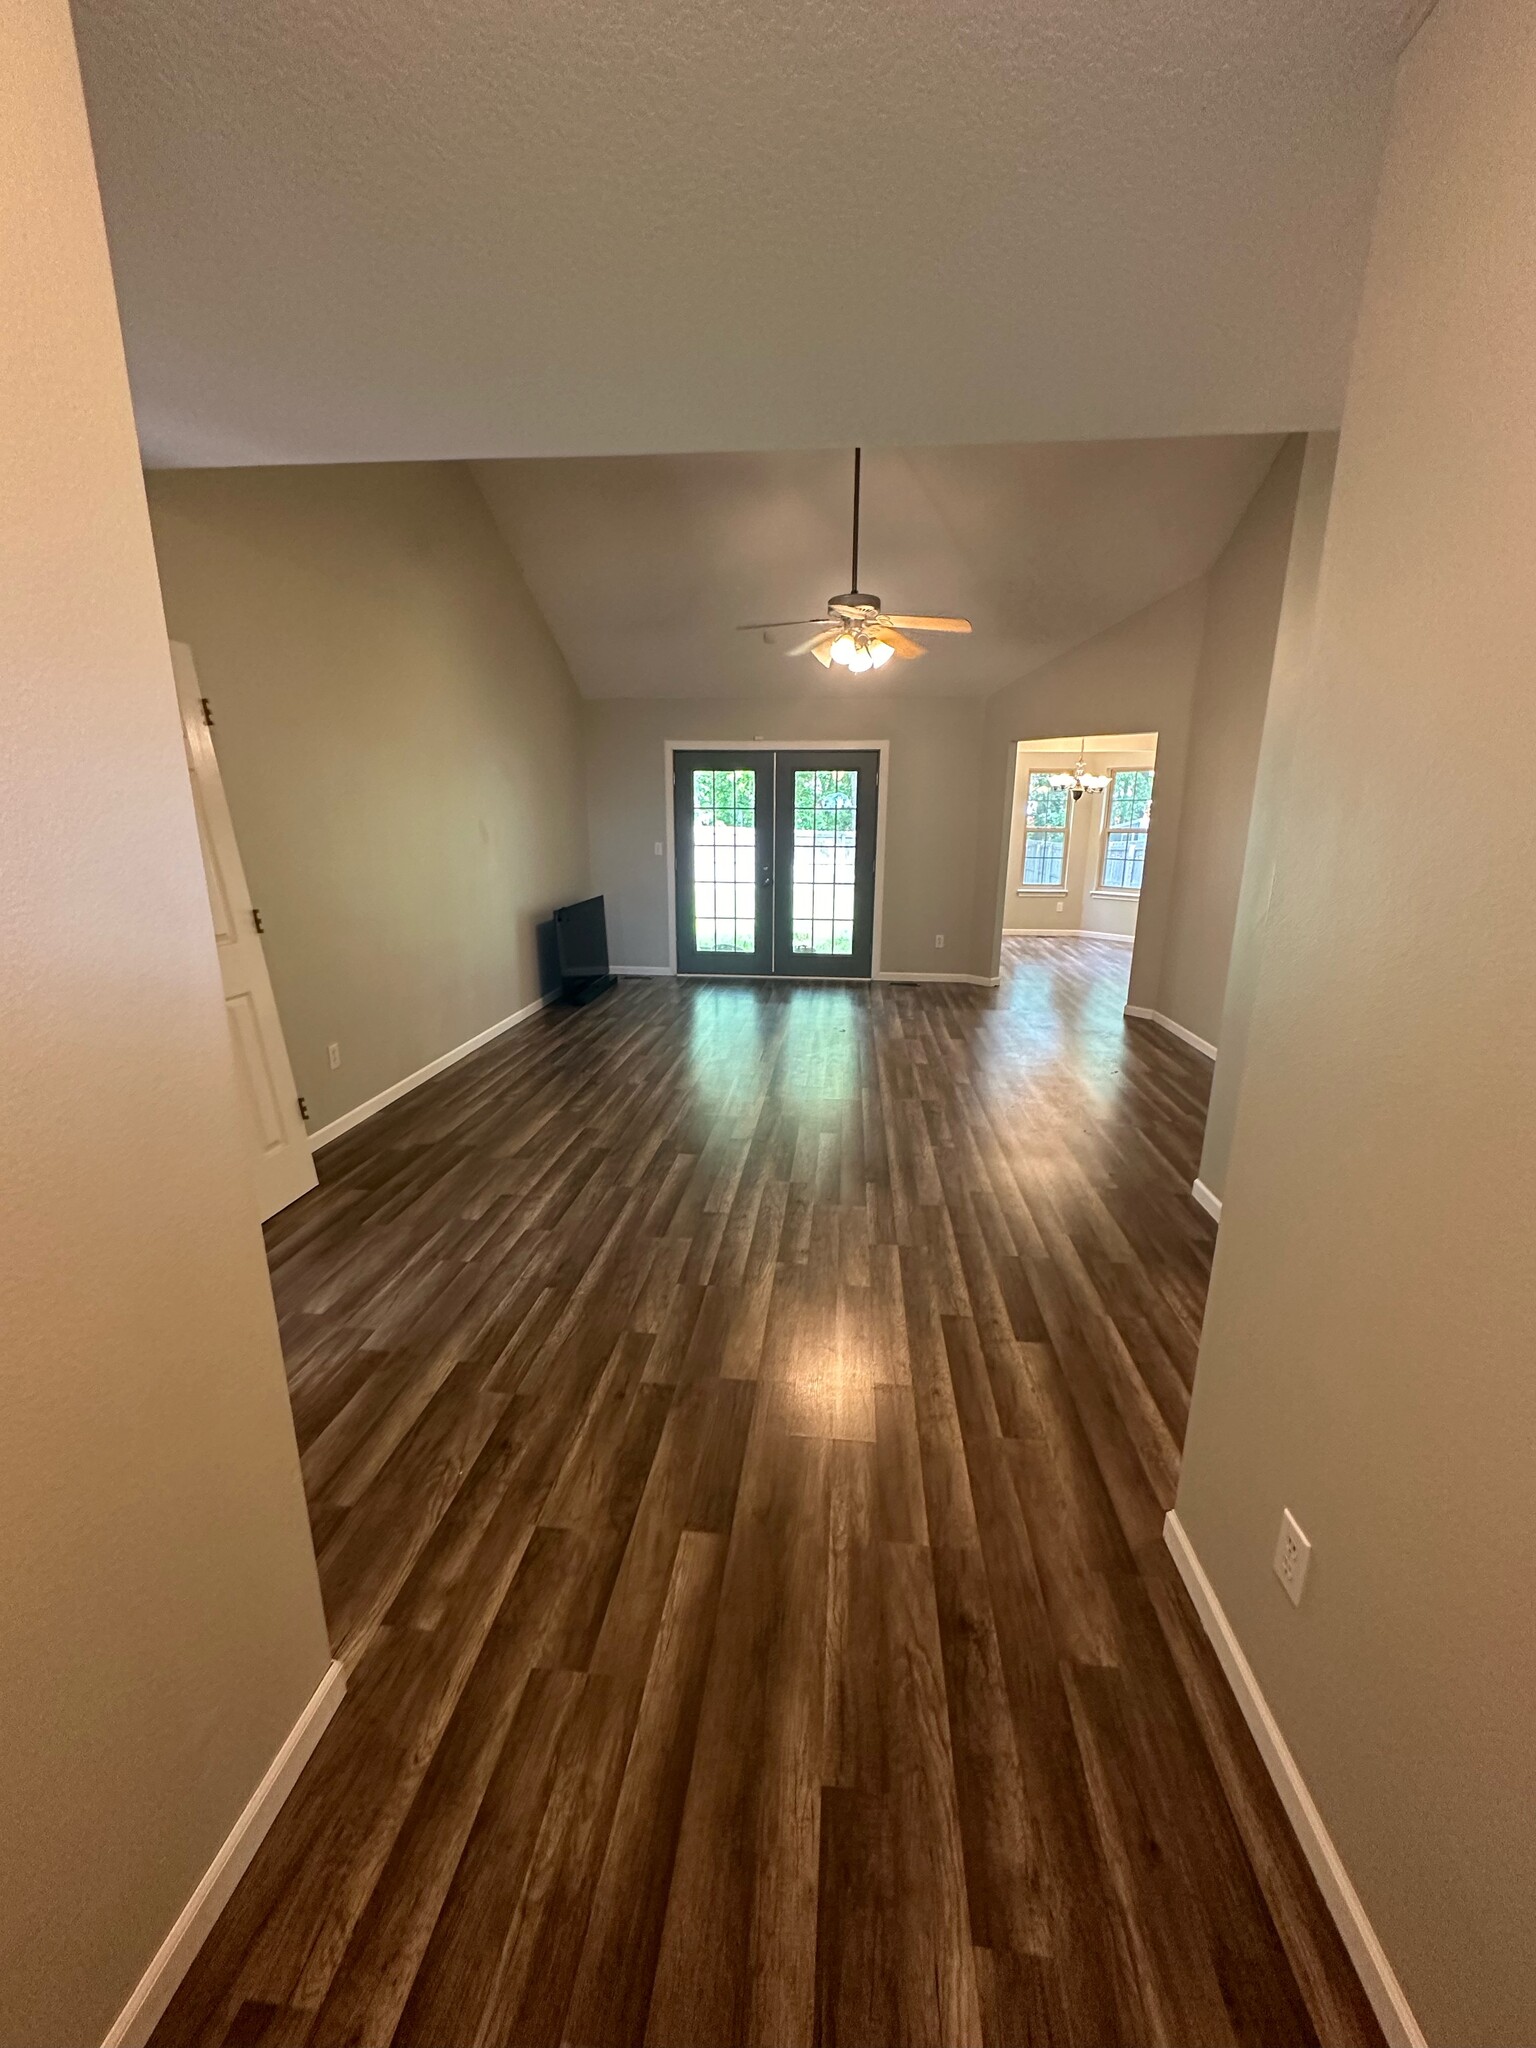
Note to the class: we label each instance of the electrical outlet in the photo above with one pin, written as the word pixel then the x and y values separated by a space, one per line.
pixel 659 849
pixel 938 940
pixel 333 1054
pixel 1292 1554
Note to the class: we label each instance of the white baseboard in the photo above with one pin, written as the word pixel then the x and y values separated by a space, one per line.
pixel 154 1990
pixel 970 980
pixel 1044 931
pixel 1178 1030
pixel 1210 1203
pixel 375 1103
pixel 1370 1958
pixel 882 974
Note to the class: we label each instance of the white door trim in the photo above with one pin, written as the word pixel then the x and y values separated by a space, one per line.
pixel 671 747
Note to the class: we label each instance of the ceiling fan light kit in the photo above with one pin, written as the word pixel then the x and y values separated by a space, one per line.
pixel 856 652
pixel 855 633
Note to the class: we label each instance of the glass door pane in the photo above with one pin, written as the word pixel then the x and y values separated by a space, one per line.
pixel 824 863
pixel 723 818
pixel 725 860
pixel 826 830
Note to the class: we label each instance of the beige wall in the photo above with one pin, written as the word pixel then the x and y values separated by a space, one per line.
pixel 929 802
pixel 159 1611
pixel 1293 649
pixel 1078 905
pixel 1369 1344
pixel 1242 614
pixel 400 741
pixel 1138 677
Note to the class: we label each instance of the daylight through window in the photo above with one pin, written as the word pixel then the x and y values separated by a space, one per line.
pixel 1128 818
pixel 725 860
pixel 826 836
pixel 1047 820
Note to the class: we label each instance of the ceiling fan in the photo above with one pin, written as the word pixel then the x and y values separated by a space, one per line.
pixel 856 633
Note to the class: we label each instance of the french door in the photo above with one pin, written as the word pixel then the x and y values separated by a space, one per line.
pixel 776 861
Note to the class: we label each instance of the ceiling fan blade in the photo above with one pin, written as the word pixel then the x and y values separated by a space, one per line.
pixel 907 650
pixel 814 645
pixel 822 649
pixel 773 625
pixel 928 625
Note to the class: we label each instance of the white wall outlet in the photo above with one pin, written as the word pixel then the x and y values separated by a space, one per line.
pixel 938 940
pixel 1292 1554
pixel 660 849
pixel 333 1054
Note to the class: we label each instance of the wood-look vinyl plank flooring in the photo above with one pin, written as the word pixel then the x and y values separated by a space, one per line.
pixel 737 1422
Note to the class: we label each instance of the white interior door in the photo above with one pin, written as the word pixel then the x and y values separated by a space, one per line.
pixel 280 1155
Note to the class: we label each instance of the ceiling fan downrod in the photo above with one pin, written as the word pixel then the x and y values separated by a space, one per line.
pixel 854 598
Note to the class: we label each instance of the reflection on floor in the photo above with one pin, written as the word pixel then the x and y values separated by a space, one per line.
pixel 737 1422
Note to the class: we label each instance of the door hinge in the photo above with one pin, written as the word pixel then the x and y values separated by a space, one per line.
pixel 256 919
pixel 207 712
pixel 303 1109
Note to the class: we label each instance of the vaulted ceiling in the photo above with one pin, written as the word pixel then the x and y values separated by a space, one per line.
pixel 644 566
pixel 359 229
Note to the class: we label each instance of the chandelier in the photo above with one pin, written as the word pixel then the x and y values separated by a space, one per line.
pixel 1079 780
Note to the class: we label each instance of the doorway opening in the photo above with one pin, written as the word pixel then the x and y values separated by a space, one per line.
pixel 776 860
pixel 1080 811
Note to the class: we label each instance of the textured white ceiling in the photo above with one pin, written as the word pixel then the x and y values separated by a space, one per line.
pixel 354 229
pixel 645 565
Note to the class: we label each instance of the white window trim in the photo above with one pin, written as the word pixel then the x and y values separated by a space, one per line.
pixel 1101 887
pixel 1061 888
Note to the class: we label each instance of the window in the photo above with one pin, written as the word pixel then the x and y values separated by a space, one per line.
pixel 826 833
pixel 725 860
pixel 1047 814
pixel 1128 814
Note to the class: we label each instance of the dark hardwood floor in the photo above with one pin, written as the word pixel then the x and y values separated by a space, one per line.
pixel 737 1423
